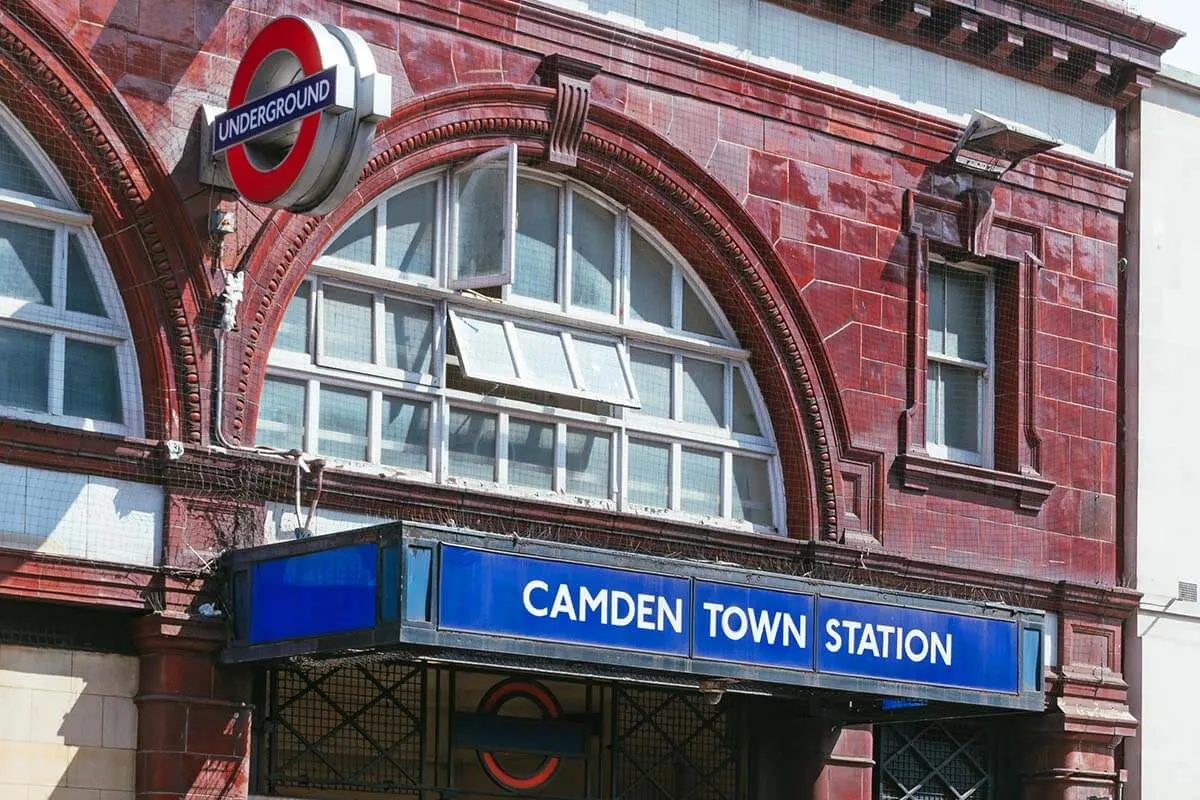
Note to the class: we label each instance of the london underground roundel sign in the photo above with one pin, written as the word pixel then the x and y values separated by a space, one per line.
pixel 302 113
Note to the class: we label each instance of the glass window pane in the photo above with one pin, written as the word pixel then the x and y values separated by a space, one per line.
pixel 700 482
pixel 936 311
pixel 343 428
pixel 933 404
pixel 17 173
pixel 588 459
pixel 405 440
pixel 410 226
pixel 546 359
pixel 408 335
pixel 82 294
pixel 472 445
pixel 530 454
pixel 293 329
pixel 481 223
pixel 26 262
pixel 962 407
pixel 346 324
pixel 281 414
pixel 966 315
pixel 650 277
pixel 744 419
pixel 703 392
pixel 696 318
pixel 600 368
pixel 483 348
pixel 649 474
pixel 593 252
pixel 652 375
pixel 24 369
pixel 537 241
pixel 91 384
pixel 356 242
pixel 751 490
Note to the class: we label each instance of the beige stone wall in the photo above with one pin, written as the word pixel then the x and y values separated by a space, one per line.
pixel 68 725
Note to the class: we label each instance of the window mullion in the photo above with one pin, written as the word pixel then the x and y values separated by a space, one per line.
pixel 378 252
pixel 439 444
pixel 677 387
pixel 621 273
pixel 573 361
pixel 375 427
pixel 441 233
pixel 675 471
pixel 57 373
pixel 565 267
pixel 621 464
pixel 378 331
pixel 560 457
pixel 676 298
pixel 312 415
pixel 726 485
pixel 58 271
pixel 502 449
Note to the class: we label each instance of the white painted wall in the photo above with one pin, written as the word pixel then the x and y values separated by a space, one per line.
pixel 1164 652
pixel 789 41
pixel 282 522
pixel 83 516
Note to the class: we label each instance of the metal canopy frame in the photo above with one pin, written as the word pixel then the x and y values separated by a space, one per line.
pixel 404 630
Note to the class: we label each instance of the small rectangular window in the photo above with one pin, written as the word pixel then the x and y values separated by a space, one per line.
pixel 958 363
pixel 91 385
pixel 700 482
pixel 589 463
pixel 703 392
pixel 651 278
pixel 405 434
pixel 649 474
pixel 26 262
pixel 25 376
pixel 593 255
pixel 293 329
pixel 408 336
pixel 486 220
pixel 347 325
pixel 751 490
pixel 281 414
pixel 530 454
pixel 343 424
pixel 536 273
pixel 652 373
pixel 408 246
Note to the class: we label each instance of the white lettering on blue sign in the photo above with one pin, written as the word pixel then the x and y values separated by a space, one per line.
pixel 649 612
pixel 764 627
pixel 888 641
pixel 265 114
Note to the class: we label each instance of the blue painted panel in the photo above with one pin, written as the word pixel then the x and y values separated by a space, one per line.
pixel 907 644
pixel 274 110
pixel 331 591
pixel 555 601
pixel 752 626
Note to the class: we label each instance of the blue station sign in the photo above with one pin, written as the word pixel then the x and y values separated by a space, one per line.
pixel 494 593
pixel 272 111
pixel 488 600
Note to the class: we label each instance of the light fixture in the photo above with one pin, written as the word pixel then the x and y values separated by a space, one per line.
pixel 991 146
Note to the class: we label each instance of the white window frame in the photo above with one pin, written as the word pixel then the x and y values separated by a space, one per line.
pixel 985 372
pixel 61 215
pixel 616 422
pixel 508 255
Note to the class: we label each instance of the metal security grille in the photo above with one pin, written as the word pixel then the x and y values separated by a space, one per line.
pixel 670 746
pixel 936 761
pixel 357 727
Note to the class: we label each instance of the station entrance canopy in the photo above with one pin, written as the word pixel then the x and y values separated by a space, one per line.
pixel 410 591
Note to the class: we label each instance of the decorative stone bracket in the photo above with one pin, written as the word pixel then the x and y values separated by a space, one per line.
pixel 572 80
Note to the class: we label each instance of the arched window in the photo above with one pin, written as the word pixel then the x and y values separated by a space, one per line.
pixel 513 331
pixel 66 356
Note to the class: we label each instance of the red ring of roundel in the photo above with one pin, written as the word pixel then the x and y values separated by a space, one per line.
pixel 293 35
pixel 540 696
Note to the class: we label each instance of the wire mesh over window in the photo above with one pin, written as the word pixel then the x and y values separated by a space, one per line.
pixel 936 761
pixel 670 746
pixel 356 728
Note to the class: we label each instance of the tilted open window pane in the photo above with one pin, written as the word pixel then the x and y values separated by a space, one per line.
pixel 26 262
pixel 408 335
pixel 530 454
pixel 486 210
pixel 17 173
pixel 649 474
pixel 82 294
pixel 410 230
pixel 24 369
pixel 545 360
pixel 405 441
pixel 483 349
pixel 357 242
pixel 472 444
pixel 281 414
pixel 593 254
pixel 588 463
pixel 349 331
pixel 343 427
pixel 537 241
pixel 293 329
pixel 91 384
pixel 650 280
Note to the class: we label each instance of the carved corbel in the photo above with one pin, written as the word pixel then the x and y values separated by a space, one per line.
pixel 572 80
pixel 975 218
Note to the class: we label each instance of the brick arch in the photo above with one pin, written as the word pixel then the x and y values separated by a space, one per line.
pixel 635 166
pixel 72 110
